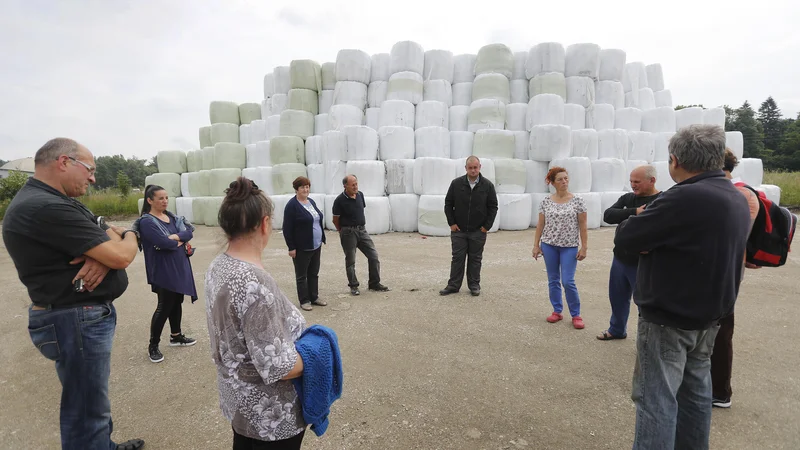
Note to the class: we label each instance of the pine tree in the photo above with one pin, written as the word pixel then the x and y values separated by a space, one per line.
pixel 769 115
pixel 752 132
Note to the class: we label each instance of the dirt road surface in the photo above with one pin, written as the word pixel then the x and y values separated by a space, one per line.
pixel 423 371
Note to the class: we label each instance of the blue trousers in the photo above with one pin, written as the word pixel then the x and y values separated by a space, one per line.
pixel 621 282
pixel 561 263
pixel 79 341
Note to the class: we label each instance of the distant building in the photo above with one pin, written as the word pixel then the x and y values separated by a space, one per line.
pixel 24 165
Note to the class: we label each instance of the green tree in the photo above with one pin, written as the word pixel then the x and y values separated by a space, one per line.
pixel 769 115
pixel 744 120
pixel 109 166
pixel 730 117
pixel 3 162
pixel 10 185
pixel 680 107
pixel 123 184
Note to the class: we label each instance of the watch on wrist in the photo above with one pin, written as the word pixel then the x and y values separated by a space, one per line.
pixel 135 233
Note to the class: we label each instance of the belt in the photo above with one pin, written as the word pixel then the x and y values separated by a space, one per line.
pixel 357 227
pixel 36 307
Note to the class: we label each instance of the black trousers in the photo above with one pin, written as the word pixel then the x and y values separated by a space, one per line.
pixel 353 238
pixel 169 308
pixel 466 245
pixel 245 443
pixel 722 360
pixel 306 274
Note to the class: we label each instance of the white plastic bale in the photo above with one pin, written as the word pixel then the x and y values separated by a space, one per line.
pixel 362 143
pixel 632 164
pixel 259 155
pixel 458 118
pixel 514 211
pixel 600 117
pixel 496 59
pixel 487 171
pixel 304 100
pixel 283 79
pixel 511 177
pixel 194 161
pixel 376 93
pixel 205 136
pixel 549 142
pixel 210 206
pixel 610 92
pixel 750 170
pixel 223 112
pixel 663 179
pixel 244 134
pixel 734 140
pixel 521 141
pixel 431 114
pixel 438 91
pixel 432 142
pixel 655 77
pixel 584 143
pixel 353 65
pixel 341 116
pixel 287 149
pixel 545 109
pixel 328 213
pixel 377 214
pixel 663 98
pixel 407 56
pixel 579 170
pixel 372 118
pixel 328 75
pixel 575 116
pixel 462 93
pixel 297 123
pixel 431 176
pixel 258 131
pixel 269 86
pixel 464 68
pixel 641 146
pixel 486 114
pixel 313 150
pixel 609 175
pixel 171 161
pixel 396 113
pixel 580 91
pixel 404 209
pixel 536 200
pixel 661 144
pixel 279 201
pixel 517 116
pixel 326 101
pixel 519 91
pixel 371 176
pixel 204 183
pixel 461 143
pixel 491 86
pixel 220 179
pixel 545 57
pixel 350 93
pixel 714 116
pixel 519 66
pixel 229 155
pixel 629 119
pixel 659 120
pixel 335 172
pixel 399 176
pixel 607 200
pixel 396 143
pixel 594 212
pixel 208 157
pixel 184 207
pixel 494 144
pixel 380 69
pixel 262 177
pixel 224 132
pixel 536 171
pixel 249 150
pixel 772 192
pixel 305 74
pixel 406 86
pixel 612 143
pixel 283 175
pixel 646 100
pixel 548 83
pixel 273 126
pixel 634 77
pixel 320 124
pixel 279 103
pixel 612 64
pixel 688 116
pixel 431 220
pixel 439 65
pixel 334 146
pixel 185 188
pixel 582 60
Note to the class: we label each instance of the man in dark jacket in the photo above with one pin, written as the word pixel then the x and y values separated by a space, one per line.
pixel 692 239
pixel 470 207
pixel 622 278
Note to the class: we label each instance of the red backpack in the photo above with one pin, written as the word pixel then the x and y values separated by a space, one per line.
pixel 770 239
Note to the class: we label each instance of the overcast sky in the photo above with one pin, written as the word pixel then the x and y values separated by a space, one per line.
pixel 134 77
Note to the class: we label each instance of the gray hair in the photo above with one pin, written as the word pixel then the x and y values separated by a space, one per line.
pixel 54 148
pixel 699 148
pixel 649 170
pixel 347 177
pixel 472 157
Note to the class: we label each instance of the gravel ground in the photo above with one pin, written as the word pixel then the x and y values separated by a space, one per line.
pixel 423 371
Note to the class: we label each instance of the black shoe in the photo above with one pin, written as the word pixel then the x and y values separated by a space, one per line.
pixel 181 341
pixel 475 292
pixel 448 291
pixel 354 291
pixel 721 402
pixel 379 288
pixel 133 444
pixel 155 355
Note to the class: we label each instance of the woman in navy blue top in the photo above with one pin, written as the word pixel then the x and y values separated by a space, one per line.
pixel 304 235
pixel 169 272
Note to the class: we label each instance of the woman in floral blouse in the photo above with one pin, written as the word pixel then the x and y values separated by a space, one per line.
pixel 252 328
pixel 561 228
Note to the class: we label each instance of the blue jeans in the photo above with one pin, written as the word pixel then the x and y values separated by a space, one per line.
pixel 79 341
pixel 561 263
pixel 621 282
pixel 672 387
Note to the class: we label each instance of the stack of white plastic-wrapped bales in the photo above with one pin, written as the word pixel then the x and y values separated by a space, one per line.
pixel 404 123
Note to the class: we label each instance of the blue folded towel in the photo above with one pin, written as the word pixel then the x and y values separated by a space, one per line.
pixel 321 383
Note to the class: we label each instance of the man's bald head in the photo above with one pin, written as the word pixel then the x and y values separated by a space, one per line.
pixel 643 180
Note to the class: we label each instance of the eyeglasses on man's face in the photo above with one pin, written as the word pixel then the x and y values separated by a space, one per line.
pixel 87 166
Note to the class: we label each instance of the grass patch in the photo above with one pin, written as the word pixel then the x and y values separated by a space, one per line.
pixel 789 182
pixel 110 204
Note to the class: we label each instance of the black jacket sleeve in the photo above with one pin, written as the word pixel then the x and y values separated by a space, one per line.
pixel 491 207
pixel 449 203
pixel 617 212
pixel 288 224
pixel 655 227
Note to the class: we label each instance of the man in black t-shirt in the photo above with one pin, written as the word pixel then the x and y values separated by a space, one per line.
pixel 349 219
pixel 55 241
pixel 622 279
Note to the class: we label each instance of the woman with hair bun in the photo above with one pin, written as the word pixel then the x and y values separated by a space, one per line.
pixel 252 328
pixel 561 229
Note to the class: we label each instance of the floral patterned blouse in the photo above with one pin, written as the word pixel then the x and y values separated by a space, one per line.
pixel 561 221
pixel 252 328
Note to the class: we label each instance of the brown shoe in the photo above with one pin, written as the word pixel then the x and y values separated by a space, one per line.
pixel 306 306
pixel 320 302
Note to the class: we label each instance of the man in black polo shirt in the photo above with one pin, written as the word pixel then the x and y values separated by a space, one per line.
pixel 55 241
pixel 349 219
